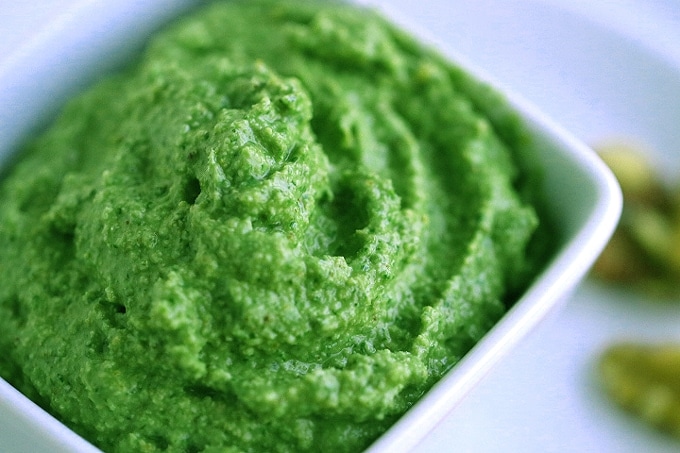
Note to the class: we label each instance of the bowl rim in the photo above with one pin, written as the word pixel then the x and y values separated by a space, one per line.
pixel 546 295
pixel 567 268
pixel 550 289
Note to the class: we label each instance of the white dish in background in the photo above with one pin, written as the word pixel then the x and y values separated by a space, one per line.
pixel 68 53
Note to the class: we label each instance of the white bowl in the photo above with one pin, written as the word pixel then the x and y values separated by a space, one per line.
pixel 88 39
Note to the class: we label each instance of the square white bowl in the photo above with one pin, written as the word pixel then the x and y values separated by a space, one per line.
pixel 88 39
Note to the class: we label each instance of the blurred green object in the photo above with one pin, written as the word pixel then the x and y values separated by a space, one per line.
pixel 645 379
pixel 645 250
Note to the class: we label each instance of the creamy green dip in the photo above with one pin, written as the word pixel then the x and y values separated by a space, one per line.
pixel 273 233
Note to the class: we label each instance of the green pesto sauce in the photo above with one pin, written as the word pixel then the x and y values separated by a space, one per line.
pixel 273 233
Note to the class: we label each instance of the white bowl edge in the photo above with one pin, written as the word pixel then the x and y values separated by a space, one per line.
pixel 586 240
pixel 553 286
pixel 548 292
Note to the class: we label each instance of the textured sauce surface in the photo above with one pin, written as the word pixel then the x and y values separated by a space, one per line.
pixel 274 232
